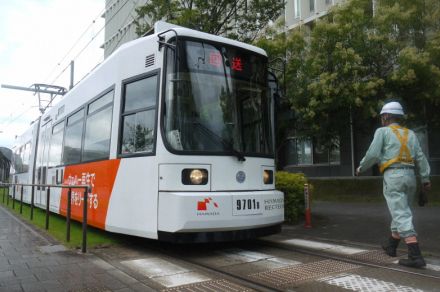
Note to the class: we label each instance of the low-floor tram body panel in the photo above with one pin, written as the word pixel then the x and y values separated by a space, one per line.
pixel 165 156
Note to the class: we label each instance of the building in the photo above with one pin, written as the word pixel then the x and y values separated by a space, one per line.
pixel 120 18
pixel 120 25
pixel 296 155
pixel 305 12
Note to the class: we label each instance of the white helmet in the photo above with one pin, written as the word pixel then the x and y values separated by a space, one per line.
pixel 392 108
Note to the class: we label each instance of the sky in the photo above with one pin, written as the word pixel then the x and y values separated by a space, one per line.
pixel 38 40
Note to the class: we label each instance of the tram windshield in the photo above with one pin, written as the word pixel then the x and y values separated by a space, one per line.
pixel 216 100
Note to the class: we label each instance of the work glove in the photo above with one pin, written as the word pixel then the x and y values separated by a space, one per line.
pixel 423 194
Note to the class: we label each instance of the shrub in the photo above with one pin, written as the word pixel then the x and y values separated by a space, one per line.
pixel 292 185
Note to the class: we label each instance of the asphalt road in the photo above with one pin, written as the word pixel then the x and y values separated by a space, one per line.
pixel 368 223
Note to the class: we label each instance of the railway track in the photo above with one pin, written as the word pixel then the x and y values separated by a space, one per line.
pixel 373 259
pixel 267 266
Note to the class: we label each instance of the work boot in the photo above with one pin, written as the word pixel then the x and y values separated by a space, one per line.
pixel 390 246
pixel 415 258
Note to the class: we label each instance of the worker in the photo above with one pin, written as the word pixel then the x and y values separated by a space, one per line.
pixel 397 151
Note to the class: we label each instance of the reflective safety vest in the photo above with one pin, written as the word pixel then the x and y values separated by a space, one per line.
pixel 404 153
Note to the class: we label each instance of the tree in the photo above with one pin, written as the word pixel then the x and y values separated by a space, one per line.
pixel 355 59
pixel 235 19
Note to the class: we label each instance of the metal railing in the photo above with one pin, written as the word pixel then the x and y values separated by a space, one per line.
pixel 86 188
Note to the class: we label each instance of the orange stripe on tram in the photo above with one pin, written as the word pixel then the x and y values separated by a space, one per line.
pixel 101 176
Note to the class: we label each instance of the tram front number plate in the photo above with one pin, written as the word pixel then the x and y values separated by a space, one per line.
pixel 246 205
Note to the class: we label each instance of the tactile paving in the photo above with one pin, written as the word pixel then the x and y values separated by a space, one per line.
pixel 373 256
pixel 91 289
pixel 289 275
pixel 212 285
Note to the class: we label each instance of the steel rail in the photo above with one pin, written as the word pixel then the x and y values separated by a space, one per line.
pixel 242 280
pixel 345 259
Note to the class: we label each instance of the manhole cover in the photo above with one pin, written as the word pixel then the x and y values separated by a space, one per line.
pixel 213 285
pixel 298 273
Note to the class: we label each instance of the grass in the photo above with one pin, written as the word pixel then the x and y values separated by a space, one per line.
pixel 57 226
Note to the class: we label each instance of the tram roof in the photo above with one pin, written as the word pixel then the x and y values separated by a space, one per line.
pixel 159 27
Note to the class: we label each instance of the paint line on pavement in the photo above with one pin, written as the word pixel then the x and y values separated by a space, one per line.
pixel 164 272
pixel 315 245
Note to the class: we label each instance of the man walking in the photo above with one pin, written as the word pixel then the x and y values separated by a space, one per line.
pixel 397 151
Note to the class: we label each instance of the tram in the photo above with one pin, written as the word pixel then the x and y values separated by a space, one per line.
pixel 174 134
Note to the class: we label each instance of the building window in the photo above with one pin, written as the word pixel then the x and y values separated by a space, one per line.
pixel 73 139
pixel 328 2
pixel 98 128
pixel 306 151
pixel 139 116
pixel 297 8
pixel 312 5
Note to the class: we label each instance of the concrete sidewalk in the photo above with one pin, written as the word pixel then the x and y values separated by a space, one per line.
pixel 366 223
pixel 31 262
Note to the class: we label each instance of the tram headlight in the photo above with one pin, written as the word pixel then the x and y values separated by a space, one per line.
pixel 194 176
pixel 268 177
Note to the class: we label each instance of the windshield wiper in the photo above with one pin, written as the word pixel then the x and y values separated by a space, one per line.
pixel 229 146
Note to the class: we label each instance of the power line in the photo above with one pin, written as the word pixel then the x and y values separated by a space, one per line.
pixel 17 117
pixel 91 40
pixel 76 42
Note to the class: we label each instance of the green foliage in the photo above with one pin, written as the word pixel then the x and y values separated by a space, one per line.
pixel 354 60
pixel 292 185
pixel 238 19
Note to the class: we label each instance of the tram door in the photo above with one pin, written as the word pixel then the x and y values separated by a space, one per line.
pixel 42 163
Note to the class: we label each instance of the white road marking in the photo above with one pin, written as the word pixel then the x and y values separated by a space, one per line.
pixel 154 267
pixel 244 256
pixel 164 272
pixel 428 266
pixel 365 284
pixel 285 262
pixel 181 279
pixel 315 245
pixel 433 267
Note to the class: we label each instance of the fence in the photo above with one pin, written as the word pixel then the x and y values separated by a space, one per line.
pixel 86 188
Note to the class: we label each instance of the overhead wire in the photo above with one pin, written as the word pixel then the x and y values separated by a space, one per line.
pixel 12 119
pixel 18 116
pixel 76 42
pixel 123 35
pixel 90 41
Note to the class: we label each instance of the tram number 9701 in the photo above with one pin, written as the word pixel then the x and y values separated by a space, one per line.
pixel 247 204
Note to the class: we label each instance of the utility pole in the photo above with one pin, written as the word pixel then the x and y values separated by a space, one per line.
pixel 39 88
pixel 374 7
pixel 72 71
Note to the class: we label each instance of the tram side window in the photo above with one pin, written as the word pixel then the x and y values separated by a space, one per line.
pixel 98 128
pixel 18 162
pixel 139 115
pixel 26 155
pixel 73 138
pixel 56 145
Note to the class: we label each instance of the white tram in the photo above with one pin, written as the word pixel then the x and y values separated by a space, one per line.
pixel 173 132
